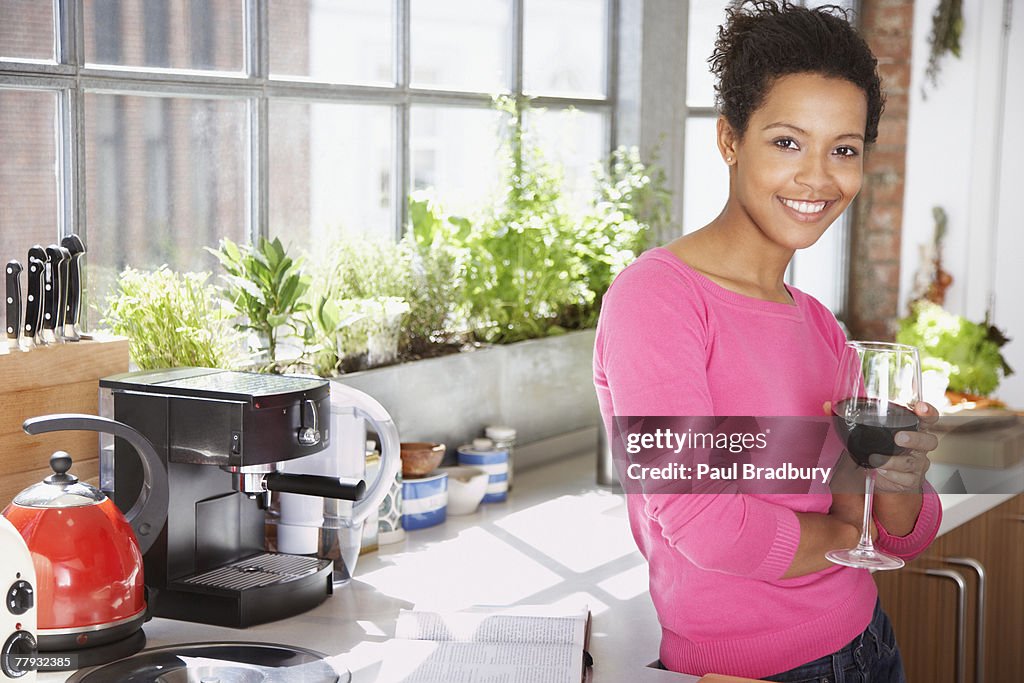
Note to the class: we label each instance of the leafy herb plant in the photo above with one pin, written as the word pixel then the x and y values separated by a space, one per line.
pixel 173 320
pixel 267 286
pixel 434 247
pixel 631 203
pixel 358 305
pixel 523 269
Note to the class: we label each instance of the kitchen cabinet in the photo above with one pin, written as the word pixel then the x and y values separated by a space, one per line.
pixel 934 602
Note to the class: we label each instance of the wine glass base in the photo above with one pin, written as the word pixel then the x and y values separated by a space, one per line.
pixel 864 559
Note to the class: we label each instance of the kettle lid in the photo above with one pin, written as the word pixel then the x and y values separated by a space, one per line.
pixel 61 489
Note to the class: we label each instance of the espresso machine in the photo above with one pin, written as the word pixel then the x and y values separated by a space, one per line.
pixel 224 438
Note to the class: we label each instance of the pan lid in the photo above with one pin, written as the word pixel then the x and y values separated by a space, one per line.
pixel 61 489
pixel 240 662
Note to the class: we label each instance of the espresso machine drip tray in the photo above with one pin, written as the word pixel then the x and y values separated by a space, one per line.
pixel 219 663
pixel 260 570
pixel 260 588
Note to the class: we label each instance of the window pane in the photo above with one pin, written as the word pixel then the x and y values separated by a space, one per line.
pixel 175 34
pixel 336 41
pixel 28 178
pixel 453 151
pixel 330 169
pixel 564 49
pixel 27 30
pixel 705 18
pixel 165 177
pixel 576 142
pixel 461 44
pixel 705 179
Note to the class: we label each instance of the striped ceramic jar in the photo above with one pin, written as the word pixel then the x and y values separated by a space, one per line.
pixel 424 501
pixel 482 453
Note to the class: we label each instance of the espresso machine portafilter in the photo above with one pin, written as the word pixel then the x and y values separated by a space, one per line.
pixel 223 437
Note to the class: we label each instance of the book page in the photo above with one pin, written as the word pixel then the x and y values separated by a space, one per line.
pixel 425 661
pixel 492 628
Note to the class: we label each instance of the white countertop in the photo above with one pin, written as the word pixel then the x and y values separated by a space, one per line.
pixel 559 539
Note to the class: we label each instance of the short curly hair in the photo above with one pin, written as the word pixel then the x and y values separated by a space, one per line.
pixel 763 40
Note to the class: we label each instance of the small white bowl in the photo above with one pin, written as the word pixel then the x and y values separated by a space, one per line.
pixel 466 488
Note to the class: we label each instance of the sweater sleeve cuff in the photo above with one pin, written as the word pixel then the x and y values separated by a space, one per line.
pixel 730 533
pixel 784 545
pixel 923 533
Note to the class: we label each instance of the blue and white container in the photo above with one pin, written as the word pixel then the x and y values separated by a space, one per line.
pixel 424 501
pixel 482 453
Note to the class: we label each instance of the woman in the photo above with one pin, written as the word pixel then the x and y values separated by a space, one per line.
pixel 706 326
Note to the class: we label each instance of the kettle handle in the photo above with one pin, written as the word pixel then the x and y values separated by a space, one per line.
pixel 363 405
pixel 148 513
pixel 390 466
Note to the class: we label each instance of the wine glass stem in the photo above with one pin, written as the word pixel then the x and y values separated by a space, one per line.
pixel 865 529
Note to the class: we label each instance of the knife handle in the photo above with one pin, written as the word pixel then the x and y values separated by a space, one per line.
pixel 75 247
pixel 61 300
pixel 55 294
pixel 13 283
pixel 34 295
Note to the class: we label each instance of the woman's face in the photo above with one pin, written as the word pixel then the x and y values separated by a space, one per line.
pixel 800 162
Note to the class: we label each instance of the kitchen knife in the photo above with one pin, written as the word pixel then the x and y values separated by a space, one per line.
pixel 55 298
pixel 34 296
pixel 13 282
pixel 75 247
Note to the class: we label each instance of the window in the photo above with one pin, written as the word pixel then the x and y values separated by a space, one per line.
pixel 190 120
pixel 30 199
pixel 821 269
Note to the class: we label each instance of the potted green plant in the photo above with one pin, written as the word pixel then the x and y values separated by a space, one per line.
pixel 173 319
pixel 267 287
pixel 967 352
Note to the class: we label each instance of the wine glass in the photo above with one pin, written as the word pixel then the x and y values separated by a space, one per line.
pixel 873 399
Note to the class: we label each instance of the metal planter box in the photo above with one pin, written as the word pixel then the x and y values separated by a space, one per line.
pixel 541 387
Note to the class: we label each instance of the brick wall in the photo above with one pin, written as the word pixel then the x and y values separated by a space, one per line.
pixel 878 215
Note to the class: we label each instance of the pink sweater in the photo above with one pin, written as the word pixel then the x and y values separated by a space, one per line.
pixel 672 342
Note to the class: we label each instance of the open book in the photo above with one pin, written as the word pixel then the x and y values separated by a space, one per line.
pixel 518 647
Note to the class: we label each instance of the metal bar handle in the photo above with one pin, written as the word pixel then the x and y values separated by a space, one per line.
pixel 979 634
pixel 961 617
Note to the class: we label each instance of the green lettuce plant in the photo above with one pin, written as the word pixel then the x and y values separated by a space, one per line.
pixel 967 352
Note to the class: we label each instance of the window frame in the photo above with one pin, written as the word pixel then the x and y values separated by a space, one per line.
pixel 73 79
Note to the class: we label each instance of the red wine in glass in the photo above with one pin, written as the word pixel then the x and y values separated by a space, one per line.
pixel 868 427
pixel 876 387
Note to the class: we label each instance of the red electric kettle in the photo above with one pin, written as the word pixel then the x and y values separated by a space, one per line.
pixel 87 554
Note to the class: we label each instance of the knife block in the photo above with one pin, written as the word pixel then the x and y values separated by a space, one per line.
pixel 63 378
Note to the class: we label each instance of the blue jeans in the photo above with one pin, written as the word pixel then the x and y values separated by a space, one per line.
pixel 871 657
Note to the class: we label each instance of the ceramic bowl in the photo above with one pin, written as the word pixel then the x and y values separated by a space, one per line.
pixel 420 458
pixel 466 488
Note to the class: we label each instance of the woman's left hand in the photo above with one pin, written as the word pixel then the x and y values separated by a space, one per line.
pixel 905 473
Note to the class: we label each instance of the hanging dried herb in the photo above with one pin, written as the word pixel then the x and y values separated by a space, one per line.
pixel 947 29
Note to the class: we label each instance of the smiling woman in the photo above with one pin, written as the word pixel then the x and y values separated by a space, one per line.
pixel 706 326
pixel 797 166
